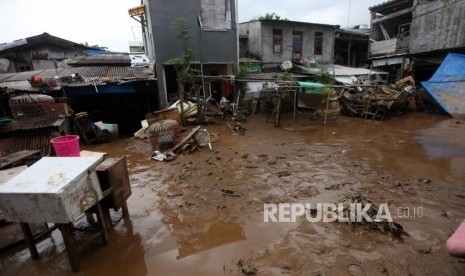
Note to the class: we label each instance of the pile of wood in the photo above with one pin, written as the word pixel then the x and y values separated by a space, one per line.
pixel 376 102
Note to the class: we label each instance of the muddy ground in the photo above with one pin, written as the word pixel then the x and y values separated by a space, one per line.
pixel 202 214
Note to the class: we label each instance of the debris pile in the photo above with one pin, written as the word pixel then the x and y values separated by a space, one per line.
pixel 376 102
pixel 382 225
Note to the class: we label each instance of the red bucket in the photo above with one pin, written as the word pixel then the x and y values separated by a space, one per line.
pixel 66 146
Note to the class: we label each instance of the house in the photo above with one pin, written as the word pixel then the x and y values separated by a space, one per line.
pixel 412 37
pixel 390 35
pixel 275 41
pixel 38 52
pixel 212 38
pixel 437 29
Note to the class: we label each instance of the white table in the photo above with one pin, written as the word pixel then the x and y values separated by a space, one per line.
pixel 54 190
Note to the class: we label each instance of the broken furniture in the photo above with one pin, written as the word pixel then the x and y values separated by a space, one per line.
pixel 114 180
pixel 376 102
pixel 55 190
pixel 169 113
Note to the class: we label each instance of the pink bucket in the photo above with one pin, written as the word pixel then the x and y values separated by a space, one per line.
pixel 67 145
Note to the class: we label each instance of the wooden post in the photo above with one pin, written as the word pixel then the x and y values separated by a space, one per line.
pixel 181 98
pixel 327 107
pixel 277 120
pixel 102 222
pixel 295 103
pixel 70 244
pixel 30 240
pixel 124 208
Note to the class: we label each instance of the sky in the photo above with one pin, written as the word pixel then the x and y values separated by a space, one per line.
pixel 107 23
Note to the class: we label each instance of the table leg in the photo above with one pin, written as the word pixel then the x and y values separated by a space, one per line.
pixel 107 217
pixel 70 244
pixel 30 240
pixel 101 220
pixel 124 207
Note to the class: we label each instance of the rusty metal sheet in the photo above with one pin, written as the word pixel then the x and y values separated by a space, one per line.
pixel 54 190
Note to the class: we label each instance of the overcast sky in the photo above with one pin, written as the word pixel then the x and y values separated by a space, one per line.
pixel 106 22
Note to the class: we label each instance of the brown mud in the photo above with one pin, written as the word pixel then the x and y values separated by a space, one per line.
pixel 202 214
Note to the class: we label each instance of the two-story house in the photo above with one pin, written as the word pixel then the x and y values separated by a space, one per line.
pixel 212 38
pixel 414 36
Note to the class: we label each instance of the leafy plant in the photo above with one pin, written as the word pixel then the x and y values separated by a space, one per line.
pixel 324 76
pixel 243 73
pixel 182 63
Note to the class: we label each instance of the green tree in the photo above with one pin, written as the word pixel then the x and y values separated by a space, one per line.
pixel 182 63
pixel 269 16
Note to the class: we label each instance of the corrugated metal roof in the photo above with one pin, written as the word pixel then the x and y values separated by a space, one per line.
pixel 400 4
pixel 90 75
pixel 101 60
pixel 11 86
pixel 7 76
pixel 31 123
pixel 364 32
pixel 15 43
pixel 23 75
pixel 339 70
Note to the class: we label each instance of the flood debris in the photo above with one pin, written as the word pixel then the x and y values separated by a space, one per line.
pixel 227 192
pixel 93 131
pixel 284 174
pixel 163 134
pixel 236 128
pixel 202 138
pixel 245 268
pixel 382 225
pixel 159 156
pixel 376 102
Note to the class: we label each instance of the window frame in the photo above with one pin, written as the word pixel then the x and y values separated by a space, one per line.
pixel 278 41
pixel 318 43
pixel 297 37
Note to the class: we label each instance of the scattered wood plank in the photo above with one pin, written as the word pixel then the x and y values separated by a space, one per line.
pixel 184 140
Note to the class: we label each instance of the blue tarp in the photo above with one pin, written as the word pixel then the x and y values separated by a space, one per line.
pixel 447 85
pixel 102 90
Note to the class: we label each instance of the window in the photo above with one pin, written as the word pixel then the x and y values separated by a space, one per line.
pixel 404 30
pixel 297 42
pixel 318 46
pixel 277 41
pixel 23 68
pixel 215 15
